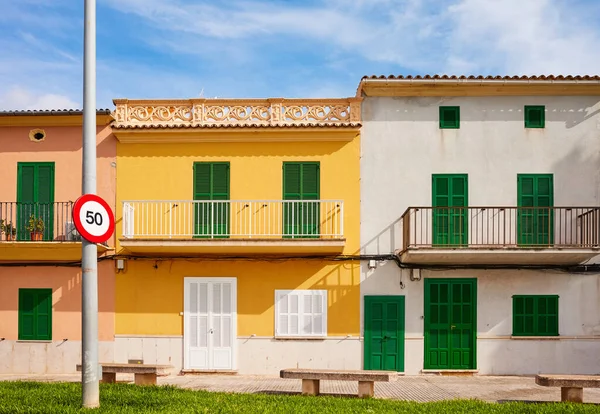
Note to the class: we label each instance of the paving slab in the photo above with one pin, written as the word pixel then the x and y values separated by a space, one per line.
pixel 421 388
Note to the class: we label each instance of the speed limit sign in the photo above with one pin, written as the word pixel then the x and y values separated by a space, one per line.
pixel 93 218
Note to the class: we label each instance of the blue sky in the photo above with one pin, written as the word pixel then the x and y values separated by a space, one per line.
pixel 276 48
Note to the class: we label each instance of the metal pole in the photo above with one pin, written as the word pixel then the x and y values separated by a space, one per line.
pixel 89 260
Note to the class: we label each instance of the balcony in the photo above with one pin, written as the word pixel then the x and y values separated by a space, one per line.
pixel 500 235
pixel 39 232
pixel 181 227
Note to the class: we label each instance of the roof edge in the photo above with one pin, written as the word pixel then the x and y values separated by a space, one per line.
pixel 52 112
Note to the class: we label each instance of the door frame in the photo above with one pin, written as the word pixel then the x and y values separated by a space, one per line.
pixel 426 316
pixel 401 343
pixel 186 305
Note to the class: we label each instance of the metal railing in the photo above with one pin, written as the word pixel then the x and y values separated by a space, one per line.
pixel 258 219
pixel 37 222
pixel 498 227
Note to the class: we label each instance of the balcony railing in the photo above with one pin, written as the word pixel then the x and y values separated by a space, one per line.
pixel 500 227
pixel 37 222
pixel 241 219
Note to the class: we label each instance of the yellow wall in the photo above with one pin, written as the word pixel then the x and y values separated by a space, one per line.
pixel 149 300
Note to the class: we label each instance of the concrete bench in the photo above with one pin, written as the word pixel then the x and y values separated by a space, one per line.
pixel 311 379
pixel 143 374
pixel 571 386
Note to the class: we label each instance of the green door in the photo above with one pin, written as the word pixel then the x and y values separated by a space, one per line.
pixel 384 333
pixel 535 217
pixel 35 197
pixel 449 216
pixel 211 184
pixel 450 323
pixel 301 208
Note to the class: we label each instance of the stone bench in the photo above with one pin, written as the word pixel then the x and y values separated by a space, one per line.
pixel 143 374
pixel 311 379
pixel 571 386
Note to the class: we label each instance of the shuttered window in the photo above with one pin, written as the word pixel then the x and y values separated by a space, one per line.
pixel 35 196
pixel 535 116
pixel 35 314
pixel 300 313
pixel 535 315
pixel 449 117
pixel 301 182
pixel 211 184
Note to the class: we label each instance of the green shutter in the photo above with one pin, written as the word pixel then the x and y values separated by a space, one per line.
pixel 449 202
pixel 35 195
pixel 35 314
pixel 301 181
pixel 535 315
pixel 535 116
pixel 535 216
pixel 211 182
pixel 449 117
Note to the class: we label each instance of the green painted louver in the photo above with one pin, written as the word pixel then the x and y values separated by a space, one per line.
pixel 450 322
pixel 35 196
pixel 450 199
pixel 535 315
pixel 535 116
pixel 301 182
pixel 211 183
pixel 35 314
pixel 535 217
pixel 449 117
pixel 384 333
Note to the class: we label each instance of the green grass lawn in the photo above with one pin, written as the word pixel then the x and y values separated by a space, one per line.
pixel 37 397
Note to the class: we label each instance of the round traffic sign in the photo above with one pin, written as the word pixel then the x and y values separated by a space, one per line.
pixel 93 218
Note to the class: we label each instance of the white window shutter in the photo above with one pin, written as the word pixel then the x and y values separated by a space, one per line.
pixel 300 312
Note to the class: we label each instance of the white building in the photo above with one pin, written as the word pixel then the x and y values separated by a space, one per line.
pixel 487 190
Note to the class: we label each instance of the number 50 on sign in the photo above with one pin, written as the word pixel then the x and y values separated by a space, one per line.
pixel 93 218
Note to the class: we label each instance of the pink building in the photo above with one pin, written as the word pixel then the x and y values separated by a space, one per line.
pixel 40 251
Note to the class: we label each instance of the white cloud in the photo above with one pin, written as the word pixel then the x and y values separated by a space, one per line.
pixel 21 98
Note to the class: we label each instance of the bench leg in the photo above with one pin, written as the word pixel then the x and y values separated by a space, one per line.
pixel 310 387
pixel 571 394
pixel 109 377
pixel 145 379
pixel 366 389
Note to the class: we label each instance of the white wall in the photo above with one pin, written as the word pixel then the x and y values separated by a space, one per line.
pixel 402 146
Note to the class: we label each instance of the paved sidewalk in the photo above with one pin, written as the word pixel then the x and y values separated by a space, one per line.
pixel 415 388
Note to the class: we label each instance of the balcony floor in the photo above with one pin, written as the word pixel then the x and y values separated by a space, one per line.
pixel 43 251
pixel 234 246
pixel 498 255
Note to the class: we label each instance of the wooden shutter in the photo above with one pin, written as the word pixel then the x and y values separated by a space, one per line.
pixel 449 224
pixel 292 187
pixel 211 182
pixel 535 216
pixel 35 314
pixel 35 195
pixel 300 312
pixel 301 181
pixel 45 198
pixel 220 191
pixel 535 315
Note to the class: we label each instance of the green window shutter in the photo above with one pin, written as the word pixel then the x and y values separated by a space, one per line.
pixel 449 117
pixel 35 196
pixel 450 198
pixel 535 226
pixel 535 315
pixel 535 116
pixel 220 181
pixel 26 183
pixel 292 185
pixel 202 179
pixel 35 314
pixel 310 181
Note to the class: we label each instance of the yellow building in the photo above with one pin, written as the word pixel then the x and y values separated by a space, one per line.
pixel 237 223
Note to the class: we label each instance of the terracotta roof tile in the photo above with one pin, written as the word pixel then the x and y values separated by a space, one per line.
pixel 489 77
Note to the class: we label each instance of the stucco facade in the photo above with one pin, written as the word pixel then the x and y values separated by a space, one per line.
pixel 49 265
pixel 160 316
pixel 403 146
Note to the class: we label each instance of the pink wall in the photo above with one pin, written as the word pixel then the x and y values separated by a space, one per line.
pixel 62 146
pixel 65 283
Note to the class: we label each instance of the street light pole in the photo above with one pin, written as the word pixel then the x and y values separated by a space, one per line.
pixel 89 259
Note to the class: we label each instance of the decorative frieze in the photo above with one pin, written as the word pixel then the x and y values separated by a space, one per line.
pixel 237 112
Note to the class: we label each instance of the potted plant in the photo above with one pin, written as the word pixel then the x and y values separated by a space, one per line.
pixel 9 230
pixel 35 226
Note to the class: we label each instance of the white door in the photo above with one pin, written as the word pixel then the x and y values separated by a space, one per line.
pixel 210 323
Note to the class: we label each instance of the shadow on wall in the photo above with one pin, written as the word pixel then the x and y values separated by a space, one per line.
pixel 502 108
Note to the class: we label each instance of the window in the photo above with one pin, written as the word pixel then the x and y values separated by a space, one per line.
pixel 535 315
pixel 35 196
pixel 301 182
pixel 535 116
pixel 211 182
pixel 449 117
pixel 35 314
pixel 301 313
pixel 450 200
